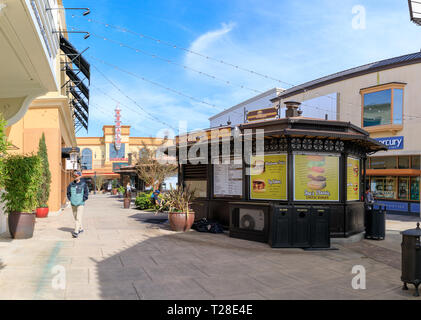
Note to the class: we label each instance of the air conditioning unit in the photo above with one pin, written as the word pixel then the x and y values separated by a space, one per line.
pixel 251 219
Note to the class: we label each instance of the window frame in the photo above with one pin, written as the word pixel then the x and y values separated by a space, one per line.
pixel 384 127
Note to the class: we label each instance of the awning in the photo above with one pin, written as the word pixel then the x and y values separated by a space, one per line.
pixel 79 99
pixel 78 82
pixel 80 115
pixel 75 57
pixel 65 152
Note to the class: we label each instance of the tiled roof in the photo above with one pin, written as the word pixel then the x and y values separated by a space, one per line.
pixel 353 72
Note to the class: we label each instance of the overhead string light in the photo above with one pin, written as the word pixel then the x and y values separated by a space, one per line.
pixel 175 46
pixel 155 83
pixel 151 116
pixel 155 56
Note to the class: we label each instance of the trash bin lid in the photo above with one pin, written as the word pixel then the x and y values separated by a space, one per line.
pixel 413 232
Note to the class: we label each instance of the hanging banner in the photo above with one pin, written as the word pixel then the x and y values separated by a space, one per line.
pixel 268 177
pixel 316 177
pixel 353 179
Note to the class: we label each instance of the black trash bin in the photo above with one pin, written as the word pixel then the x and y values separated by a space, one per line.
pixel 411 258
pixel 301 227
pixel 281 227
pixel 375 218
pixel 320 233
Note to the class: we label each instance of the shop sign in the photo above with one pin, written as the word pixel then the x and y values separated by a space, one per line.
pixel 268 179
pixel 392 143
pixel 316 178
pixel 117 137
pixel 353 179
pixel 119 165
pixel 262 114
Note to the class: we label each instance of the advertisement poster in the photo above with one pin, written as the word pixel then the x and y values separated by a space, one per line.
pixel 268 179
pixel 353 179
pixel 316 178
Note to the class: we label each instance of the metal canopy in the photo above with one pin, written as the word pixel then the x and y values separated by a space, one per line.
pixel 415 11
pixel 78 71
pixel 79 99
pixel 80 115
pixel 78 82
pixel 75 57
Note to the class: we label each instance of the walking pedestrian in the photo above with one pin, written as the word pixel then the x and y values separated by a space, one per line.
pixel 369 199
pixel 77 193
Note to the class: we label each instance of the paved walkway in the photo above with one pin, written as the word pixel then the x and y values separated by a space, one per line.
pixel 122 256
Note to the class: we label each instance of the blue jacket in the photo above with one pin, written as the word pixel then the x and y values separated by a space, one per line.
pixel 77 193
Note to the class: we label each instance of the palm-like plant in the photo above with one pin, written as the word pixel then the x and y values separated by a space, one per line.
pixel 178 200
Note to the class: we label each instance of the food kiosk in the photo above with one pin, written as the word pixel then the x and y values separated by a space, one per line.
pixel 295 163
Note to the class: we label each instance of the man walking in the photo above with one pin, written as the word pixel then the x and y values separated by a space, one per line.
pixel 77 193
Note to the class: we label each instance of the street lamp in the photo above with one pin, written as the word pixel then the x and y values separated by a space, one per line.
pixel 87 10
pixel 74 153
pixel 415 11
pixel 95 182
pixel 85 37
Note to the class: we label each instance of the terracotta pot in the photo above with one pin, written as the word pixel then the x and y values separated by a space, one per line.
pixel 42 212
pixel 178 221
pixel 126 203
pixel 114 191
pixel 21 225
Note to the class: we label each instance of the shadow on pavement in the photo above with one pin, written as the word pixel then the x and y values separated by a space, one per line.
pixel 396 217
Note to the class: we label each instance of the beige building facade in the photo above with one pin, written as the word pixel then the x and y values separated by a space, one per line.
pixel 100 156
pixel 383 98
pixel 38 80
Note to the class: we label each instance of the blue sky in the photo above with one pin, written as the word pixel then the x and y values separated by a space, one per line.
pixel 293 41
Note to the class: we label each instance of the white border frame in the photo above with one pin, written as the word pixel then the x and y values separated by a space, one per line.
pixel 338 156
pixel 286 180
pixel 359 179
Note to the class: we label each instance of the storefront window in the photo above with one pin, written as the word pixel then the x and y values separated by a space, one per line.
pixel 415 162
pixel 403 188
pixel 403 162
pixel 383 107
pixel 383 163
pixel 377 108
pixel 415 188
pixel 397 106
pixel 384 187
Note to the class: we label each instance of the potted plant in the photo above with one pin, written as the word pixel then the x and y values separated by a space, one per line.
pixel 114 184
pixel 44 190
pixel 178 201
pixel 21 181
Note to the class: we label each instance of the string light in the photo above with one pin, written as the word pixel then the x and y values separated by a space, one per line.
pixel 405 117
pixel 175 46
pixel 155 56
pixel 155 83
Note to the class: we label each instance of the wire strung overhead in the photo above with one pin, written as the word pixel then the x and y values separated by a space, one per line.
pixel 151 116
pixel 155 56
pixel 155 83
pixel 175 46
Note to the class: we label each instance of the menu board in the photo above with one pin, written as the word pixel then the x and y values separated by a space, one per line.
pixel 268 177
pixel 316 177
pixel 353 179
pixel 228 180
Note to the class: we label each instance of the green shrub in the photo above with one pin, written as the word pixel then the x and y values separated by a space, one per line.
pixel 21 180
pixel 143 201
pixel 44 190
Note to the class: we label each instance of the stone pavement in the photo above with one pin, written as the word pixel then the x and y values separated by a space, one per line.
pixel 122 256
